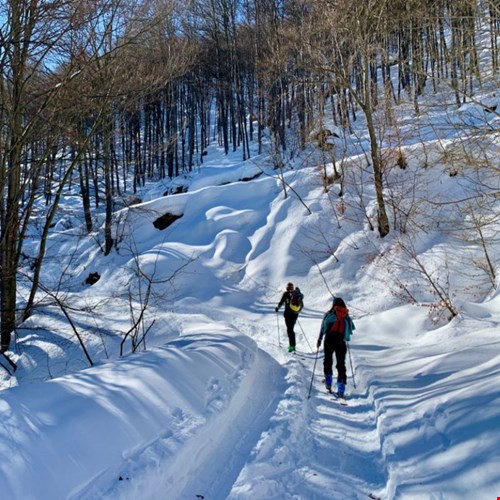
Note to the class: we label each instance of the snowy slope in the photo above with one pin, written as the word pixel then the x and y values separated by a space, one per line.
pixel 215 407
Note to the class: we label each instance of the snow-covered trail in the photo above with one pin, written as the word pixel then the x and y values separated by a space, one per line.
pixel 309 448
pixel 266 439
pixel 225 414
pixel 313 448
pixel 163 424
pixel 216 462
pixel 211 459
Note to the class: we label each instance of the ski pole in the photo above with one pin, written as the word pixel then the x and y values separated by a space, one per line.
pixel 352 368
pixel 304 333
pixel 312 377
pixel 278 323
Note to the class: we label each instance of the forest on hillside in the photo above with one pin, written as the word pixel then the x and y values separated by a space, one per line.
pixel 107 95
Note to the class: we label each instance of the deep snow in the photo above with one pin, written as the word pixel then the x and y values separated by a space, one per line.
pixel 215 407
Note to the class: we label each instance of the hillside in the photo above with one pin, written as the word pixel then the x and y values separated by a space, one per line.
pixel 212 406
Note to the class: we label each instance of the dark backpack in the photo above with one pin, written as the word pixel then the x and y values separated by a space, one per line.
pixel 295 300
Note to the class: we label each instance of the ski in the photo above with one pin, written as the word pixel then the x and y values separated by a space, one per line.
pixel 296 355
pixel 341 401
pixel 336 398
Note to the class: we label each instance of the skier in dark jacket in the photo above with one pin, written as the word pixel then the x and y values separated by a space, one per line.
pixel 293 300
pixel 337 328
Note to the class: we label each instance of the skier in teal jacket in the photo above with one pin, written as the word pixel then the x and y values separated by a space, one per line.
pixel 337 328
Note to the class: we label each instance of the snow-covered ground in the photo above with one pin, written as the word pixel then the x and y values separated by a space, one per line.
pixel 215 407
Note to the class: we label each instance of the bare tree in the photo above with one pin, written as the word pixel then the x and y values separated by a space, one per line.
pixel 31 36
pixel 344 44
pixel 60 69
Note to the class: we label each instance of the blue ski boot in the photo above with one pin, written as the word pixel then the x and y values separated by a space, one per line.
pixel 340 389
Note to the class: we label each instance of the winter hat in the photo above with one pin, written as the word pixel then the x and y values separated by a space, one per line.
pixel 337 301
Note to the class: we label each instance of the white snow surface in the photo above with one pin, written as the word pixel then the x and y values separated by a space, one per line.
pixel 213 406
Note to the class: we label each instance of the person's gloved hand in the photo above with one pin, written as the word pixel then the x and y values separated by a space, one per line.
pixel 276 309
pixel 318 343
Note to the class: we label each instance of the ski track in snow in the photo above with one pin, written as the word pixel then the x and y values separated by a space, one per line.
pixel 263 445
pixel 343 441
pixel 217 462
pixel 213 463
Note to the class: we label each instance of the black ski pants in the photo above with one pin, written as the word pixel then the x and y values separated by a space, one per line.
pixel 290 320
pixel 335 344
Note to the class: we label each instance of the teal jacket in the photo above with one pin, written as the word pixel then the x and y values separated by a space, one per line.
pixel 329 318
